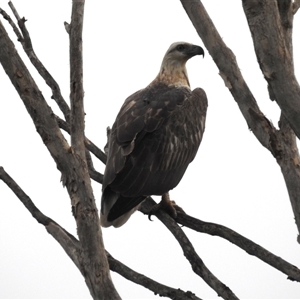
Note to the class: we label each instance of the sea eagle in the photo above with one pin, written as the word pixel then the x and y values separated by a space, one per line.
pixel 154 138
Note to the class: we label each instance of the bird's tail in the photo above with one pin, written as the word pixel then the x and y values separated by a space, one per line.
pixel 117 209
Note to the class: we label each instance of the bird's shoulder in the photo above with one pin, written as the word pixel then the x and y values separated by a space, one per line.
pixel 146 109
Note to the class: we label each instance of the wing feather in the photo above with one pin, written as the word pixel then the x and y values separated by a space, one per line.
pixel 154 138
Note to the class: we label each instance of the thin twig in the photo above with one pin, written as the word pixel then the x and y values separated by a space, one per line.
pixel 12 7
pixel 88 143
pixel 27 46
pixel 189 252
pixel 12 24
pixel 95 175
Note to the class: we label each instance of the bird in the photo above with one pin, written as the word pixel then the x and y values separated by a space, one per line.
pixel 154 138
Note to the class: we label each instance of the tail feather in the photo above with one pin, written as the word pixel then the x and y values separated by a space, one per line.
pixel 117 209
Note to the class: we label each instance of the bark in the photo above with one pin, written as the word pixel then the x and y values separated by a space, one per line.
pixel 74 171
pixel 271 31
pixel 289 162
pixel 274 56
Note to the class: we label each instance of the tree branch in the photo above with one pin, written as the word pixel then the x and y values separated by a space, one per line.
pixel 274 57
pixel 156 287
pixel 230 73
pixel 296 5
pixel 12 24
pixel 88 143
pixel 12 7
pixel 189 252
pixel 242 242
pixel 289 163
pixel 27 46
pixel 68 242
pixel 76 79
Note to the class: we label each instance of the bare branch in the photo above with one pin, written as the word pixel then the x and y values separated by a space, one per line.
pixel 76 79
pixel 88 143
pixel 67 27
pixel 242 242
pixel 230 72
pixel 93 173
pixel 156 287
pixel 296 5
pixel 95 150
pixel 68 242
pixel 27 46
pixel 12 24
pixel 189 252
pixel 12 7
pixel 275 57
pixel 289 163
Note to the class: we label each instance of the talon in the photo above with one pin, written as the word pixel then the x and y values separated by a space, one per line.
pixel 149 216
pixel 170 207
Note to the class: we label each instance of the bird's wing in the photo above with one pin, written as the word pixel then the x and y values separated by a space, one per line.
pixel 156 135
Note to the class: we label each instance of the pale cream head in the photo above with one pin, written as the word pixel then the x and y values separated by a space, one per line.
pixel 173 70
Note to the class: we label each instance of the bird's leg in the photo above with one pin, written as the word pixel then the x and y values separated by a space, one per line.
pixel 167 205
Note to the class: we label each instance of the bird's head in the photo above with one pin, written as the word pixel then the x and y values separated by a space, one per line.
pixel 173 70
pixel 180 52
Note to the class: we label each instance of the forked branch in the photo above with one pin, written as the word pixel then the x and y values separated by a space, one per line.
pixel 196 262
pixel 73 249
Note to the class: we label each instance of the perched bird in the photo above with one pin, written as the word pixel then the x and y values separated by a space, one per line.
pixel 155 136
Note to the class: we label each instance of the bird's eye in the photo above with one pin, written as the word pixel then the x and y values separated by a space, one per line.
pixel 180 47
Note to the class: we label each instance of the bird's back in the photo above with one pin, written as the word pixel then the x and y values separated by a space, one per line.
pixel 154 138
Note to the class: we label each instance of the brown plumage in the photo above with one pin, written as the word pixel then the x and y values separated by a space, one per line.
pixel 154 138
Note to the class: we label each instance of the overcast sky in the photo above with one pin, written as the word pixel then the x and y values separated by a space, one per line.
pixel 233 181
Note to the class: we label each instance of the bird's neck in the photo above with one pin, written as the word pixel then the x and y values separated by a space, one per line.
pixel 173 73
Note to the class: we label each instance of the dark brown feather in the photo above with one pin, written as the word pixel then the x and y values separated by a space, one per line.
pixel 154 138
